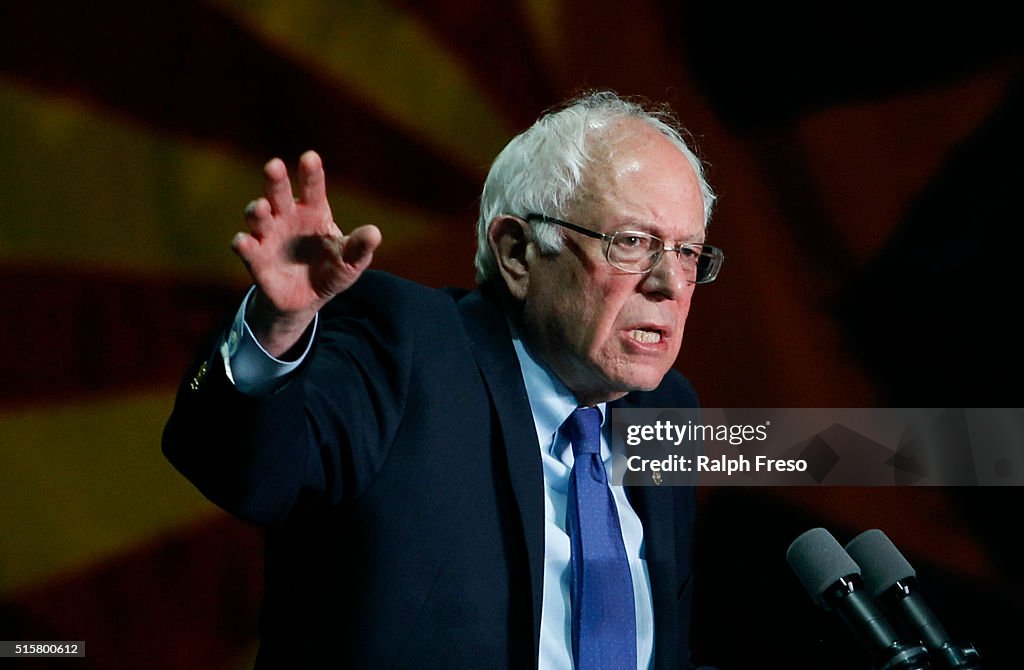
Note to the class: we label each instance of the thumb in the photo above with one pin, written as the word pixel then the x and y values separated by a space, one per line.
pixel 360 245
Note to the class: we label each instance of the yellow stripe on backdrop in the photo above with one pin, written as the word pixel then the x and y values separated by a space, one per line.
pixel 85 189
pixel 84 482
pixel 389 59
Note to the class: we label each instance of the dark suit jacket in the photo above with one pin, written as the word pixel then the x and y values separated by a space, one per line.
pixel 399 478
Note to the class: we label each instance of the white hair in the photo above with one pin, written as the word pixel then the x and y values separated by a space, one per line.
pixel 541 169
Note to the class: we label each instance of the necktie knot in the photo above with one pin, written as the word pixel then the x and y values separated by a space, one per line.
pixel 583 428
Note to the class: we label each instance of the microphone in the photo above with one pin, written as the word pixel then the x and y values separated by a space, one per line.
pixel 833 580
pixel 891 579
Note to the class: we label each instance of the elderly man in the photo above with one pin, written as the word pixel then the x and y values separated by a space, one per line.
pixel 431 466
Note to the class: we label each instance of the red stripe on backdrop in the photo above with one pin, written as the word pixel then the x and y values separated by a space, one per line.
pixel 187 600
pixel 77 333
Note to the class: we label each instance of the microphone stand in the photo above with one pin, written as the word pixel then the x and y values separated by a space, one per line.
pixel 861 616
pixel 902 597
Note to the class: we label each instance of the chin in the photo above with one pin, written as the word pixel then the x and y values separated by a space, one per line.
pixel 641 380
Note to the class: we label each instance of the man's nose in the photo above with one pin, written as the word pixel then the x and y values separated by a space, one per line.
pixel 669 277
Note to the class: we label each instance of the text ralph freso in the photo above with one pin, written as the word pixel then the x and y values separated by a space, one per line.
pixel 704 437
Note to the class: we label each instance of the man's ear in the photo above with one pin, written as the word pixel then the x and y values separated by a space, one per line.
pixel 508 237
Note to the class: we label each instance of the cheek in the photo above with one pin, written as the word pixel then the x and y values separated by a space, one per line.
pixel 564 319
pixel 684 306
pixel 683 312
pixel 607 317
pixel 583 308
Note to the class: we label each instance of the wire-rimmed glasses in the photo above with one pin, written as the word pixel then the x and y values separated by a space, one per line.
pixel 637 252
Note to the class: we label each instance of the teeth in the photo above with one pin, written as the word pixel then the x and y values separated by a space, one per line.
pixel 646 336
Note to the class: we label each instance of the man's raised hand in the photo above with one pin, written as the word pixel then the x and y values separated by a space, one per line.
pixel 296 254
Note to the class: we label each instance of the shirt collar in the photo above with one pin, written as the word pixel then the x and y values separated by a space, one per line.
pixel 551 401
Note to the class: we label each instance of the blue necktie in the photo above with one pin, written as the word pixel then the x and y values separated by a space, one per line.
pixel 603 612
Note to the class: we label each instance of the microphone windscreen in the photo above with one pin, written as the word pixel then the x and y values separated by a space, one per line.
pixel 819 561
pixel 881 563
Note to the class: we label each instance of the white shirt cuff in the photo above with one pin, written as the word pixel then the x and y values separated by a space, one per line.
pixel 248 365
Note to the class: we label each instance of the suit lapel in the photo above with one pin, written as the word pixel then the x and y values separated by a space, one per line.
pixel 492 345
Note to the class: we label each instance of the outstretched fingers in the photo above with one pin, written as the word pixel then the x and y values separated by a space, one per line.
pixel 293 250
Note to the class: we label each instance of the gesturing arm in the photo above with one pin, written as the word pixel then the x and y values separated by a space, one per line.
pixel 257 455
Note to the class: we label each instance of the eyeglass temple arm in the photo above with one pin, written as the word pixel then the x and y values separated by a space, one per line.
pixel 571 226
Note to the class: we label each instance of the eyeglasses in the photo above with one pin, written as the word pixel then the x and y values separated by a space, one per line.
pixel 638 253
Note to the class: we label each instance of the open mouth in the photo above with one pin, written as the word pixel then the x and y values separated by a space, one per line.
pixel 645 336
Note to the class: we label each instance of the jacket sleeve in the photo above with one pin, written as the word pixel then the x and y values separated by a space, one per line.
pixel 321 438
